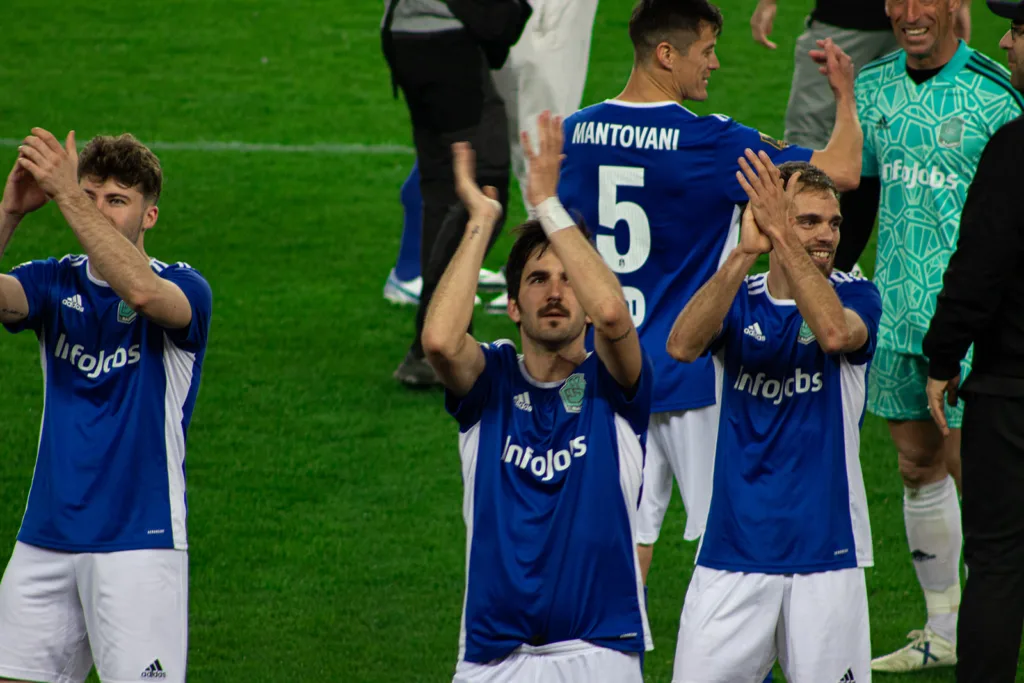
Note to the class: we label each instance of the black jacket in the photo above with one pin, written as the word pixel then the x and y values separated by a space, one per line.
pixel 982 297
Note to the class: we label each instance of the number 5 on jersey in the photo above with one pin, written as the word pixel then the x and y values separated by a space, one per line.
pixel 611 214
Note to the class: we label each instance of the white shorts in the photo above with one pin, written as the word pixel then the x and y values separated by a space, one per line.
pixel 126 611
pixel 681 444
pixel 734 626
pixel 573 661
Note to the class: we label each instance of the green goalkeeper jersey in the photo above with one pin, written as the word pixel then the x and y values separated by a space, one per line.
pixel 924 142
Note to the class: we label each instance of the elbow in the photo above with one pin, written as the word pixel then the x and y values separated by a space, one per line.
pixel 612 318
pixel 437 343
pixel 835 340
pixel 849 178
pixel 680 351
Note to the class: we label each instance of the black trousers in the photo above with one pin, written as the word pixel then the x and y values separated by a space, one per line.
pixel 992 609
pixel 451 98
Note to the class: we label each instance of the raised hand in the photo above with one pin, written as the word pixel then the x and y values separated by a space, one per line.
pixel 771 200
pixel 481 204
pixel 54 168
pixel 545 163
pixel 752 240
pixel 22 193
pixel 762 22
pixel 836 65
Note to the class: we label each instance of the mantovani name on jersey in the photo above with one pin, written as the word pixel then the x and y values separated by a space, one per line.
pixel 619 135
pixel 776 389
pixel 94 366
pixel 918 176
pixel 543 465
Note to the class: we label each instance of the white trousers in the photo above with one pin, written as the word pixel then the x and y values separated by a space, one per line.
pixel 573 661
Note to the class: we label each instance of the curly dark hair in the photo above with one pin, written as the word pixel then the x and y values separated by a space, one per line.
pixel 124 159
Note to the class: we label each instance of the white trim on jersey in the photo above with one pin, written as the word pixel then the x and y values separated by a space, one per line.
pixel 732 239
pixel 631 468
pixel 178 368
pixel 648 105
pixel 469 449
pixel 853 383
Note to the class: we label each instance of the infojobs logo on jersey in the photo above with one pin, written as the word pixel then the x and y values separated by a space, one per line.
pixel 917 175
pixel 544 465
pixel 777 389
pixel 94 366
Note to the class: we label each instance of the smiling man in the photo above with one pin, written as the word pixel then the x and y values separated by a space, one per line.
pixel 927 112
pixel 99 574
pixel 656 183
pixel 780 570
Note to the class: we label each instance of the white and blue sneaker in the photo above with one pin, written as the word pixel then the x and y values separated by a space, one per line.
pixel 498 305
pixel 927 650
pixel 406 292
pixel 491 281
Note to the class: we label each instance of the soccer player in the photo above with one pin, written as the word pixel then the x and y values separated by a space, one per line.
pixel 780 567
pixel 657 183
pixel 99 574
pixel 551 443
pixel 927 112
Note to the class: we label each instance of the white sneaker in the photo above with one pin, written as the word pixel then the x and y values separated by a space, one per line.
pixel 927 650
pixel 856 270
pixel 403 291
pixel 490 280
pixel 498 305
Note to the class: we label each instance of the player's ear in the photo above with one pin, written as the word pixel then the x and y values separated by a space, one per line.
pixel 513 310
pixel 664 54
pixel 150 216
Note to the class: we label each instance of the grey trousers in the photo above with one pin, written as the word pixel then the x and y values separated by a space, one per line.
pixel 811 112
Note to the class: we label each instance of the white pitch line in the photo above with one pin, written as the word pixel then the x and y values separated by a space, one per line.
pixel 213 146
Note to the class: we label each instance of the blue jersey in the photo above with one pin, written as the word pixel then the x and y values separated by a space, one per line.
pixel 119 394
pixel 656 184
pixel 788 495
pixel 552 475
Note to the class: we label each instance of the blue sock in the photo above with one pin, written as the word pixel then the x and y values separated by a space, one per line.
pixel 408 265
pixel 769 678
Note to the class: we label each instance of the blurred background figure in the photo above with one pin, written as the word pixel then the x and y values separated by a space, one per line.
pixel 441 55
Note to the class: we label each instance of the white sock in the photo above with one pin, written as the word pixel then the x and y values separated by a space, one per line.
pixel 935 536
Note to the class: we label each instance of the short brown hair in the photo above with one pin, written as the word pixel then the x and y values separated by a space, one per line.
pixel 529 237
pixel 124 159
pixel 811 177
pixel 678 22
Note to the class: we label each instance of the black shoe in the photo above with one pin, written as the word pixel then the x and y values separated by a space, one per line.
pixel 416 372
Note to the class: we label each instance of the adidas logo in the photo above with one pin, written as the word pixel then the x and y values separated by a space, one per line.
pixel 754 331
pixel 883 123
pixel 921 556
pixel 154 670
pixel 522 401
pixel 848 677
pixel 75 302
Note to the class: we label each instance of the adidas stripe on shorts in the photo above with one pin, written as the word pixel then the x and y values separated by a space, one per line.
pixel 573 661
pixel 129 608
pixel 735 625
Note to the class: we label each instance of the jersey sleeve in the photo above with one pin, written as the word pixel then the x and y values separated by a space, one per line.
pixel 734 139
pixel 200 298
pixel 36 278
pixel 632 404
pixel 467 410
pixel 733 322
pixel 866 114
pixel 861 296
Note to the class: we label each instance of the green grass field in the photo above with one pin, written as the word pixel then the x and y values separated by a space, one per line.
pixel 325 501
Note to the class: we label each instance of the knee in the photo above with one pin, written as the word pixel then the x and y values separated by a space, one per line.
pixel 919 467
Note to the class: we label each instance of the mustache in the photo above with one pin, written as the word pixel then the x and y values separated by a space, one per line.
pixel 554 308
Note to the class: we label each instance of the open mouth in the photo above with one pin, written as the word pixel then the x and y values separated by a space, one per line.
pixel 821 256
pixel 915 32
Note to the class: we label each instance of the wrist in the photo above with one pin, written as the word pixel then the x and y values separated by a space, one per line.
pixel 553 216
pixel 9 219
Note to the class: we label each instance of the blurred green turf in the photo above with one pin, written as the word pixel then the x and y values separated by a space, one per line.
pixel 325 501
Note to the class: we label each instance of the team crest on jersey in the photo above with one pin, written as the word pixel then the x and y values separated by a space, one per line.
pixel 805 336
pixel 777 144
pixel 572 393
pixel 951 133
pixel 125 314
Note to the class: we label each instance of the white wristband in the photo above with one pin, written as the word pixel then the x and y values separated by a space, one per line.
pixel 553 216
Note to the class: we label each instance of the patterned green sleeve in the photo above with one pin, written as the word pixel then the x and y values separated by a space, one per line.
pixel 867 114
